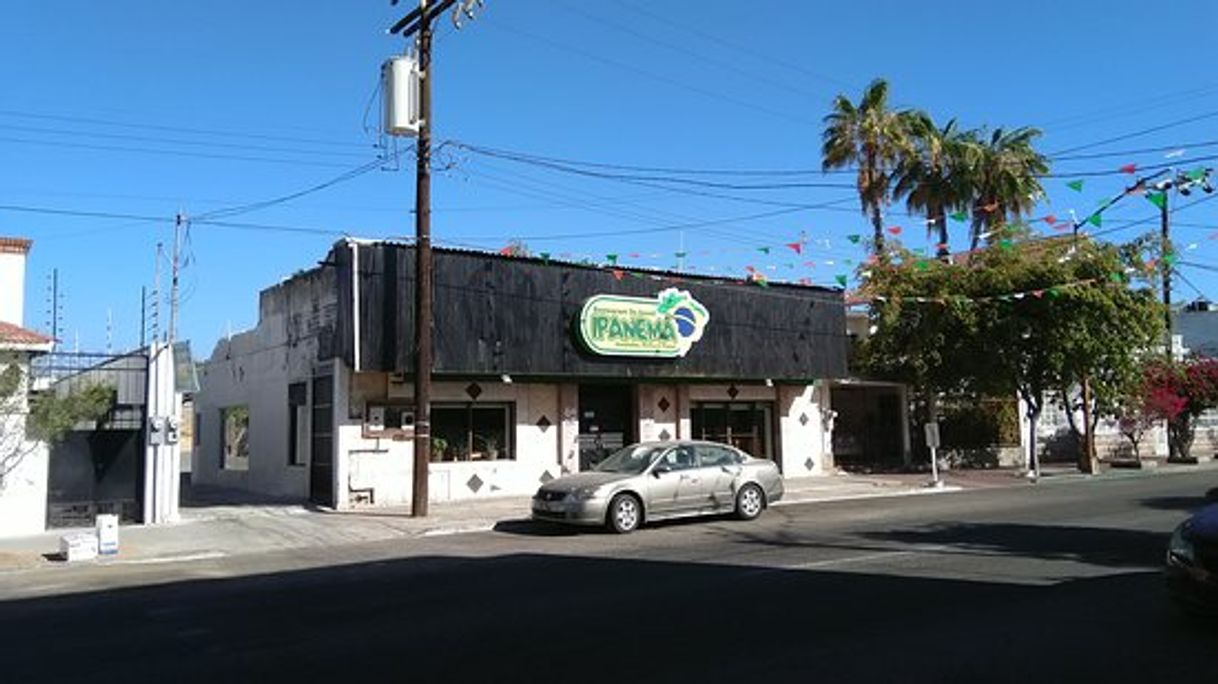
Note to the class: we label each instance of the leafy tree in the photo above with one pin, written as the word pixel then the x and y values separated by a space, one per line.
pixel 930 175
pixel 1178 392
pixel 872 137
pixel 27 422
pixel 1022 318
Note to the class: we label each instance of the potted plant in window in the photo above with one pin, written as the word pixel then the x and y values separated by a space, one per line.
pixel 439 446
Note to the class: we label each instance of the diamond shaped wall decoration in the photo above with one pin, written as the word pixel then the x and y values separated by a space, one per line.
pixel 663 404
pixel 475 483
pixel 546 477
pixel 664 436
pixel 473 390
pixel 803 419
pixel 809 463
pixel 544 423
pixel 733 392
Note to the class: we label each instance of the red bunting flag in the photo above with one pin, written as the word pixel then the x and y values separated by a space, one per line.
pixel 895 230
pixel 506 251
pixel 805 281
pixel 633 255
pixel 1038 293
pixel 1050 219
pixel 1129 168
pixel 1064 225
pixel 618 274
pixel 796 246
pixel 810 264
pixel 750 269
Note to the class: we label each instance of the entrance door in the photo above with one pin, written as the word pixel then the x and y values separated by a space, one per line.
pixel 321 455
pixel 745 425
pixel 606 421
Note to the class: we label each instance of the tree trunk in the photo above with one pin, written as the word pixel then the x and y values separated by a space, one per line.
pixel 938 219
pixel 1087 461
pixel 877 222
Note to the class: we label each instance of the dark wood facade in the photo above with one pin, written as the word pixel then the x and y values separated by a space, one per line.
pixel 496 315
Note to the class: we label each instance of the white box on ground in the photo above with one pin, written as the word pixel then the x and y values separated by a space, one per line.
pixel 78 546
pixel 107 534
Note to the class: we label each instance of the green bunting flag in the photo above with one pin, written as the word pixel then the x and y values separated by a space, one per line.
pixel 763 250
pixel 922 264
pixel 612 258
pixel 1169 259
pixel 680 255
pixel 1076 186
pixel 1116 277
pixel 1159 199
pixel 1196 174
pixel 958 216
pixel 854 238
pixel 1006 244
pixel 1095 220
pixel 545 256
pixel 841 279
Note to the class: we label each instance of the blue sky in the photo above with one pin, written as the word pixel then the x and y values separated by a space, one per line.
pixel 144 109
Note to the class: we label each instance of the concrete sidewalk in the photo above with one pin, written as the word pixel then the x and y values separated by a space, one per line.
pixel 209 530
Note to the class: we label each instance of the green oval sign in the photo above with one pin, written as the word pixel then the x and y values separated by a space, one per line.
pixel 665 326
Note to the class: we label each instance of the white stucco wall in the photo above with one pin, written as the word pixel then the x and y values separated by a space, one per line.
pixel 12 286
pixel 254 369
pixel 384 466
pixel 24 464
pixel 798 432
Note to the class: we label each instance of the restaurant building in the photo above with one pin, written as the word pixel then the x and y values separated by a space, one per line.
pixel 542 368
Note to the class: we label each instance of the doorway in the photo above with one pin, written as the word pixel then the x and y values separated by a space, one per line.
pixel 321 450
pixel 746 425
pixel 606 421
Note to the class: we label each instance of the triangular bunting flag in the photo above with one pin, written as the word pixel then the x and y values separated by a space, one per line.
pixel 1159 199
pixel 612 258
pixel 1129 168
pixel 1169 259
pixel 1050 219
pixel 854 238
pixel 1076 185
pixel 894 230
pixel 763 250
pixel 1095 220
pixel 505 251
pixel 958 216
pixel 618 274
pixel 545 256
pixel 841 279
pixel 797 247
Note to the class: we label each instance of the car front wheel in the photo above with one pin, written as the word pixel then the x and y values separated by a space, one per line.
pixel 750 501
pixel 625 514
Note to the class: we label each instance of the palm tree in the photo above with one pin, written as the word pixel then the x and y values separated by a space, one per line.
pixel 932 175
pixel 1003 175
pixel 870 136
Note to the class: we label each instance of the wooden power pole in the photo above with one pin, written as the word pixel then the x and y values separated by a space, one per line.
pixel 419 21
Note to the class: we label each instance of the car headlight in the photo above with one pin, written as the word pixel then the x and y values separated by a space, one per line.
pixel 1179 547
pixel 582 494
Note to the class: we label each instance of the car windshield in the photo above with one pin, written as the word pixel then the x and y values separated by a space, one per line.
pixel 632 459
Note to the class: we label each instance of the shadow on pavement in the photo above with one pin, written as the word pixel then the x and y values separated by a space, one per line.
pixel 531 618
pixel 1182 503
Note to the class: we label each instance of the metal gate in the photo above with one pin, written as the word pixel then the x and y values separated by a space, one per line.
pixel 98 467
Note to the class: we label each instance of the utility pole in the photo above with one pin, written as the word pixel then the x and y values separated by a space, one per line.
pixel 419 21
pixel 1164 247
pixel 143 314
pixel 173 278
pixel 156 295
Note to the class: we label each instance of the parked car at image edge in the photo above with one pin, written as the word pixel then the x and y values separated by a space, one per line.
pixel 660 480
pixel 1192 561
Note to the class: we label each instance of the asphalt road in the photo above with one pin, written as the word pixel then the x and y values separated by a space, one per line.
pixel 1056 582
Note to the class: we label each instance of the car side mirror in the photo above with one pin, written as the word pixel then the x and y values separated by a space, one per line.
pixel 660 470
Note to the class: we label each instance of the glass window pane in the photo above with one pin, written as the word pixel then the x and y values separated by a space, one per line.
pixel 490 431
pixel 450 433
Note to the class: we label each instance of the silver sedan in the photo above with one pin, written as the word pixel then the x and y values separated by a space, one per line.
pixel 659 480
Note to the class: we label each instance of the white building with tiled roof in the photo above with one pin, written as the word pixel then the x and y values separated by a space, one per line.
pixel 23 463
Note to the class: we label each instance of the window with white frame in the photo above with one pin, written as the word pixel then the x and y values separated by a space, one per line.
pixel 472 432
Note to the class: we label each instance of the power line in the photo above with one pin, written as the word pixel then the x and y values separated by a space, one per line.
pixel 174 129
pixel 171 153
pixel 1137 134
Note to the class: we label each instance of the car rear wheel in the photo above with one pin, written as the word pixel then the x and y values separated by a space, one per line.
pixel 750 501
pixel 625 514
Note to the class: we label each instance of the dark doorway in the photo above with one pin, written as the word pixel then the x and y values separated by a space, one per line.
pixel 868 434
pixel 321 452
pixel 606 421
pixel 746 425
